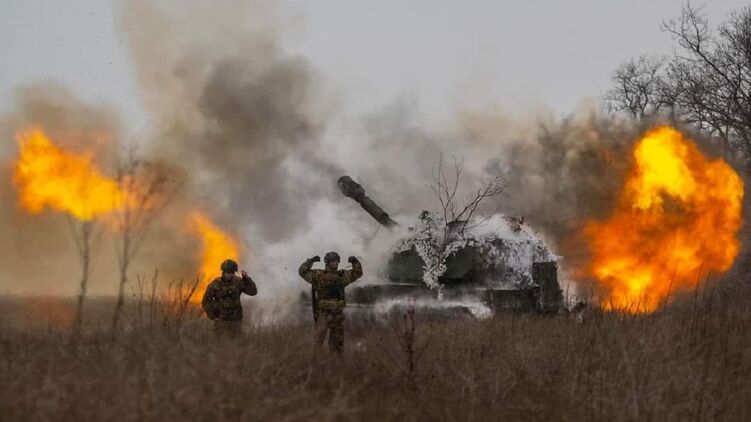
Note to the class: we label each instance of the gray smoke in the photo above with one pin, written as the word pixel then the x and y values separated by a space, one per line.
pixel 239 113
pixel 560 172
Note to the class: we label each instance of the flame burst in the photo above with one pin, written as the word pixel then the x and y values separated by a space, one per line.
pixel 216 246
pixel 48 176
pixel 677 218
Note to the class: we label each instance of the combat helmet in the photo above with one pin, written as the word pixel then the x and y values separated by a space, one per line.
pixel 331 256
pixel 229 266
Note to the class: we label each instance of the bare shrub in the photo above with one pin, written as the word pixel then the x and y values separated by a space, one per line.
pixel 453 209
pixel 147 187
pixel 404 328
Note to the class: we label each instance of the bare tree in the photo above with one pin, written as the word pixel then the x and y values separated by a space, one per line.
pixel 83 231
pixel 706 83
pixel 145 189
pixel 638 87
pixel 83 227
pixel 446 187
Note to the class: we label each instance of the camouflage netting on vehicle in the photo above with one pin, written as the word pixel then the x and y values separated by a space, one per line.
pixel 498 251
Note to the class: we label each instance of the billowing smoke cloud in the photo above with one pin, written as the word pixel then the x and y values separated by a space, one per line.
pixel 237 110
pixel 560 173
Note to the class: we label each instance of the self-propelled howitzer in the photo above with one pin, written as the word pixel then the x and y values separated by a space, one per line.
pixel 501 265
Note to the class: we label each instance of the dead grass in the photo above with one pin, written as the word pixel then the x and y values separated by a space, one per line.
pixel 691 361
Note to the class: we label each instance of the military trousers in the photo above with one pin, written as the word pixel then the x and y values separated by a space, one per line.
pixel 331 322
pixel 227 329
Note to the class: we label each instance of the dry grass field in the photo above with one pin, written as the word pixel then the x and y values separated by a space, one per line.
pixel 690 361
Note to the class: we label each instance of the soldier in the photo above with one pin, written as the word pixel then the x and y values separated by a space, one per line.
pixel 221 302
pixel 328 301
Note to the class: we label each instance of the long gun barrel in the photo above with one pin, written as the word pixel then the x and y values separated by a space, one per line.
pixel 352 189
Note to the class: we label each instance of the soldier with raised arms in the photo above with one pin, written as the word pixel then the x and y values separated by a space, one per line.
pixel 221 302
pixel 328 301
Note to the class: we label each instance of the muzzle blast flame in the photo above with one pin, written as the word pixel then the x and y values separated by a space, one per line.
pixel 676 220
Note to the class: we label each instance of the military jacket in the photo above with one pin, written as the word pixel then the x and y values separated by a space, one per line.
pixel 222 298
pixel 329 284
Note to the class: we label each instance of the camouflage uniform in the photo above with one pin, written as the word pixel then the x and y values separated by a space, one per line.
pixel 222 303
pixel 329 286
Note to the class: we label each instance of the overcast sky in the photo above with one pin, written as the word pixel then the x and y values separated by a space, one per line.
pixel 518 54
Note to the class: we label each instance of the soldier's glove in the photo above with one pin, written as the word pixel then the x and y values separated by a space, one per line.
pixel 315 259
pixel 352 259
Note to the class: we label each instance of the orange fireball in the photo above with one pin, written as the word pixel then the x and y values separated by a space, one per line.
pixel 47 176
pixel 216 246
pixel 677 219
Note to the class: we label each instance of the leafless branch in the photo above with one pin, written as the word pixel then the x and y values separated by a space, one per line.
pixel 706 83
pixel 446 189
pixel 146 188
